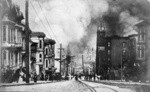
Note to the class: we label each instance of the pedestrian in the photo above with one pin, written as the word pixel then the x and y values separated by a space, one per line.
pixel 35 77
pixel 46 77
pixel 76 77
pixel 42 76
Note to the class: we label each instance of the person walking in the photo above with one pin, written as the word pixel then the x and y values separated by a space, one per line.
pixel 35 77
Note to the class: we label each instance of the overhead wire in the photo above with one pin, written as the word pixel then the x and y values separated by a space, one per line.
pixel 48 22
pixel 39 18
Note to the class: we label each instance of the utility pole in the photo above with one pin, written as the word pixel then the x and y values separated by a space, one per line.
pixel 1 11
pixel 27 40
pixel 60 57
pixel 83 64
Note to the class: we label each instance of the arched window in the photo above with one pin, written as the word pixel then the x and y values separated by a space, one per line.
pixel 46 51
pixel 46 63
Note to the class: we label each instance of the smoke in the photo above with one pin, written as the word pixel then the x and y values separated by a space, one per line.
pixel 124 14
pixel 71 21
pixel 122 17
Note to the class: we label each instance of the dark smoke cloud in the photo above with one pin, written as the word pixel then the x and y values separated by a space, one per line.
pixel 131 10
pixel 124 14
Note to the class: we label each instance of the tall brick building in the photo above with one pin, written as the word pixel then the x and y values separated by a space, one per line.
pixel 114 53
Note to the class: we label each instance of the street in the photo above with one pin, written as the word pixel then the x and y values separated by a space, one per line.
pixel 66 86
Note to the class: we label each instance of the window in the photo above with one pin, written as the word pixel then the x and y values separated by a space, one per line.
pixel 49 62
pixel 4 33
pixel 108 59
pixel 123 53
pixel 12 35
pixel 40 55
pixel 141 35
pixel 134 42
pixel 123 44
pixel 46 63
pixel 46 51
pixel 103 28
pixel 9 39
pixel 99 28
pixel 108 44
pixel 108 52
pixel 15 35
pixel 40 44
pixel 141 53
pixel 4 57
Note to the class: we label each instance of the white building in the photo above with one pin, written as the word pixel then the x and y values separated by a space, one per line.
pixel 12 42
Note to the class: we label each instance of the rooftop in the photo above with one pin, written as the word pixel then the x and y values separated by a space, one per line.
pixel 49 41
pixel 38 34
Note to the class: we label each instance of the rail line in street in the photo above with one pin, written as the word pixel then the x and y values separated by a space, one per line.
pixel 93 88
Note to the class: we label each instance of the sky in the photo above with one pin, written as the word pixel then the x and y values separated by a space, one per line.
pixel 64 21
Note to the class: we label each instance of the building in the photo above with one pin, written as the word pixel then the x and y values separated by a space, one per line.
pixel 34 46
pixel 49 57
pixel 12 42
pixel 89 55
pixel 38 40
pixel 115 54
pixel 143 50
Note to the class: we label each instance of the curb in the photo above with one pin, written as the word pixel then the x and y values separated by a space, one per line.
pixel 137 87
pixel 24 84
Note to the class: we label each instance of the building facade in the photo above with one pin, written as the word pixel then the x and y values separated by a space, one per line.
pixel 37 39
pixel 12 42
pixel 116 56
pixel 49 57
pixel 143 50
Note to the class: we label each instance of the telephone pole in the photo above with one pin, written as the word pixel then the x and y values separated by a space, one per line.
pixel 27 40
pixel 83 64
pixel 1 11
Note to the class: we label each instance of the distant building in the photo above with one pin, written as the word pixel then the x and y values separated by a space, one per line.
pixel 89 55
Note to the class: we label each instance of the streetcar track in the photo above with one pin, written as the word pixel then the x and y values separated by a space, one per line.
pixel 106 87
pixel 93 88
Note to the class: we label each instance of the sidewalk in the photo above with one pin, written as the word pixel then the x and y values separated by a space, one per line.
pixel 24 83
pixel 143 87
pixel 120 82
